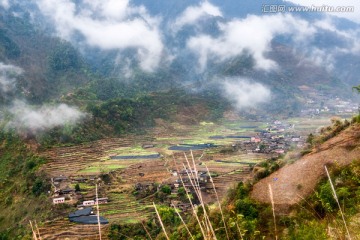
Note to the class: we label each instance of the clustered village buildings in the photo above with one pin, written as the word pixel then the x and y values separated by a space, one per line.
pixel 276 139
pixel 64 194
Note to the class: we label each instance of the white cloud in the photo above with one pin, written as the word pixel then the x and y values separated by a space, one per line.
pixel 109 25
pixel 193 13
pixel 327 56
pixel 111 9
pixel 328 24
pixel 8 74
pixel 322 58
pixel 253 34
pixel 5 4
pixel 35 119
pixel 244 93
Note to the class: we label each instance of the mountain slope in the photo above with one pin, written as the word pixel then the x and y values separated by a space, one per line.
pixel 296 181
pixel 50 65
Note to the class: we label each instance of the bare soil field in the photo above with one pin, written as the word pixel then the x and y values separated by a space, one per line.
pixel 296 181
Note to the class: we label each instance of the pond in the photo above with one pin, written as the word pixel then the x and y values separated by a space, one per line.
pixel 188 147
pixel 151 156
pixel 228 136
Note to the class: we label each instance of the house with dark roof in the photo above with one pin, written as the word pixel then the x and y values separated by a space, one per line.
pixel 86 216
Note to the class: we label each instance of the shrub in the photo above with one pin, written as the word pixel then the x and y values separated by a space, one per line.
pixel 77 188
pixel 247 208
pixel 40 186
pixel 166 189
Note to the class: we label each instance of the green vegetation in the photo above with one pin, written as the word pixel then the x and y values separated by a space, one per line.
pixel 10 49
pixel 101 168
pixel 48 62
pixel 121 232
pixel 137 150
pixel 119 116
pixel 313 218
pixel 77 188
pixel 64 57
pixel 23 194
pixel 166 189
pixel 54 71
pixel 320 211
pixel 327 133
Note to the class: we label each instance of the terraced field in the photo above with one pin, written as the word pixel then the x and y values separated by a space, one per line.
pixel 230 171
pixel 306 125
pixel 68 161
pixel 95 158
pixel 63 229
pixel 124 208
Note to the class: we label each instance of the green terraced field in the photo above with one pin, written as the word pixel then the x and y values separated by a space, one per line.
pixel 101 168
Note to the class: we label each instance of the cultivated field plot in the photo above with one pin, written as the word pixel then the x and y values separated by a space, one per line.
pixel 206 132
pixel 124 208
pixel 63 229
pixel 147 159
pixel 87 158
pixel 304 126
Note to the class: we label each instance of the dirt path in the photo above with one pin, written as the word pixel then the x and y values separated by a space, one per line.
pixel 295 181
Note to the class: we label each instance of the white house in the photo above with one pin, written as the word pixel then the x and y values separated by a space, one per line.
pixel 58 200
pixel 89 203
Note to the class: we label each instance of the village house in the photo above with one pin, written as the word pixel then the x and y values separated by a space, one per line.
pixel 79 180
pixel 89 203
pixel 145 146
pixel 59 179
pixel 102 200
pixel 295 138
pixel 255 139
pixel 191 178
pixel 187 172
pixel 58 200
pixel 277 122
pixel 178 204
pixel 144 186
pixel 66 191
pixel 86 216
pixel 56 181
pixel 279 151
pixel 204 177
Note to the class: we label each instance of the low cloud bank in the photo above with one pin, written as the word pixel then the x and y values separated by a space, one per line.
pixel 192 14
pixel 35 119
pixel 8 74
pixel 253 34
pixel 244 93
pixel 29 118
pixel 108 25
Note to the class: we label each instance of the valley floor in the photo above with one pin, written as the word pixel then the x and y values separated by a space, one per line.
pixel 230 162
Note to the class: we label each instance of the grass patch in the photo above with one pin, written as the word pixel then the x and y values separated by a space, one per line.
pixel 124 151
pixel 83 186
pixel 206 123
pixel 101 168
pixel 131 221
